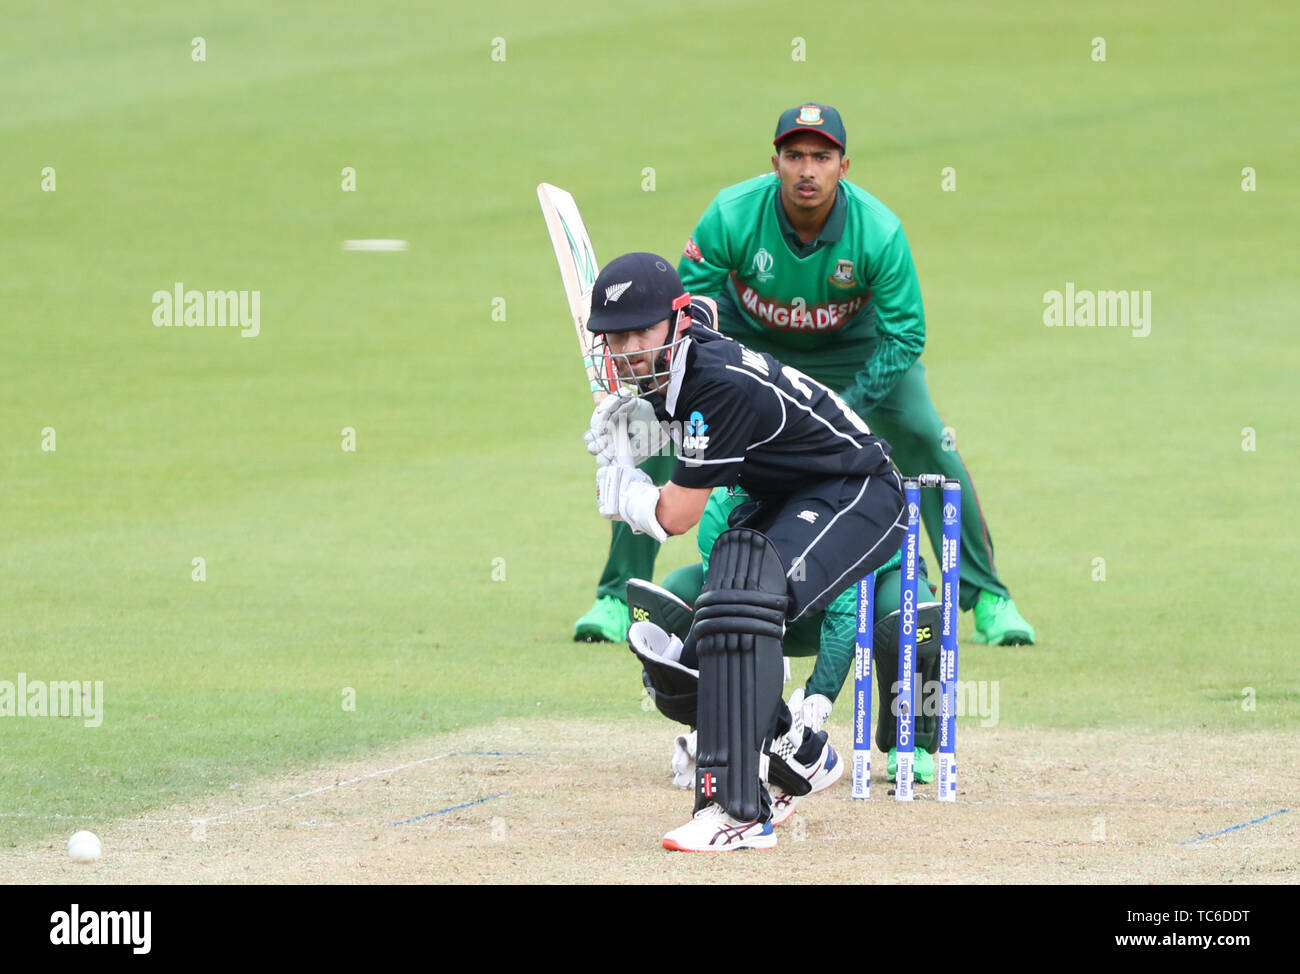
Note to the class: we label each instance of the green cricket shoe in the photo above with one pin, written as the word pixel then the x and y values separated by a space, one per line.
pixel 999 623
pixel 606 622
pixel 922 765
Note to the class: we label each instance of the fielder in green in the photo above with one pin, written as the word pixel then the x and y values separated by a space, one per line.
pixel 817 272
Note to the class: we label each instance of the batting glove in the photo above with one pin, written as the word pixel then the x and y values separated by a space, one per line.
pixel 624 430
pixel 629 495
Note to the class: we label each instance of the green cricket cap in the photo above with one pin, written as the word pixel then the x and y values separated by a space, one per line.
pixel 811 117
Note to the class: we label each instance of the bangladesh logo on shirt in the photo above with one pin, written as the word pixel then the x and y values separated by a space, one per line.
pixel 763 266
pixel 843 276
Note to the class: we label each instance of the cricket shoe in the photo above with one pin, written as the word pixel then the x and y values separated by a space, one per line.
pixel 713 830
pixel 999 623
pixel 783 804
pixel 922 765
pixel 606 622
pixel 805 753
pixel 826 771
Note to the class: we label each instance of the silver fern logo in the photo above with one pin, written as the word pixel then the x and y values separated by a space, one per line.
pixel 615 291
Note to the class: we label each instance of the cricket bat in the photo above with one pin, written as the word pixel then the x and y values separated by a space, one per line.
pixel 578 270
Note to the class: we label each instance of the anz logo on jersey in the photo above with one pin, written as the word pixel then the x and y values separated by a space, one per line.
pixel 693 439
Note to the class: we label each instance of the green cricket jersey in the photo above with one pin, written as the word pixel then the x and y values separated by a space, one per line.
pixel 845 308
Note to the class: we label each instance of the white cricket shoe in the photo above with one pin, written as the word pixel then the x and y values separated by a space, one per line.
pixel 823 771
pixel 820 770
pixel 713 830
pixel 783 804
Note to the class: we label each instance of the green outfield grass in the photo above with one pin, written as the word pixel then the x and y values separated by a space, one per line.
pixel 373 570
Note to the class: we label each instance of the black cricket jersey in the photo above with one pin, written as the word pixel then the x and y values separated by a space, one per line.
pixel 740 417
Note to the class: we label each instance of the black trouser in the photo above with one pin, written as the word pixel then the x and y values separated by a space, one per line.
pixel 828 535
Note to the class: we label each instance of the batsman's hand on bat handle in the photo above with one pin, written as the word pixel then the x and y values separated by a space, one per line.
pixel 623 456
pixel 596 436
pixel 607 437
pixel 629 495
pixel 601 436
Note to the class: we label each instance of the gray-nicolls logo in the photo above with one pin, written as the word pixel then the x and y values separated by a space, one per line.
pixel 102 927
pixel 615 291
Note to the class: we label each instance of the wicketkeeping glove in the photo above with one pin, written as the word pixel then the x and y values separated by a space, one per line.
pixel 816 709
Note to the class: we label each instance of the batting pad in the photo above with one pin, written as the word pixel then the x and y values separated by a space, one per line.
pixel 739 622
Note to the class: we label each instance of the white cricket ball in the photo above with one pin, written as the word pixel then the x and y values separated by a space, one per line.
pixel 84 847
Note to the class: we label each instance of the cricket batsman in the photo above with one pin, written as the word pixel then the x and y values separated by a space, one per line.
pixel 825 508
pixel 812 269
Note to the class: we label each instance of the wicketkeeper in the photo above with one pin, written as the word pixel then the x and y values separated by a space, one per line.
pixel 826 508
pixel 811 268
